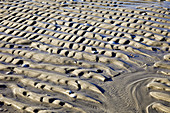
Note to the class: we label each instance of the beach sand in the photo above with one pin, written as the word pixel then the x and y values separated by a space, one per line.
pixel 84 56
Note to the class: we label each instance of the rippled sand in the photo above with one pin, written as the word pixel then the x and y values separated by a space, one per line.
pixel 94 56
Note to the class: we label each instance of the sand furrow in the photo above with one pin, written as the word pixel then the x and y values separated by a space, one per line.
pixel 156 31
pixel 161 85
pixel 140 39
pixel 136 44
pixel 94 56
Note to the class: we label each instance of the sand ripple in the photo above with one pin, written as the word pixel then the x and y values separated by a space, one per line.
pixel 97 56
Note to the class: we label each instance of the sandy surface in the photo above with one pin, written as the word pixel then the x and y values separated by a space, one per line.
pixel 78 56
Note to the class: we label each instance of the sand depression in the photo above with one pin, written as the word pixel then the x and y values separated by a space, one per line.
pixel 94 56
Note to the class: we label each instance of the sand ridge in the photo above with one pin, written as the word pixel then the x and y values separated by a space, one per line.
pixel 94 56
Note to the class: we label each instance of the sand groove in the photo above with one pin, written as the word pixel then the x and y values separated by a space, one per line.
pixel 94 56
